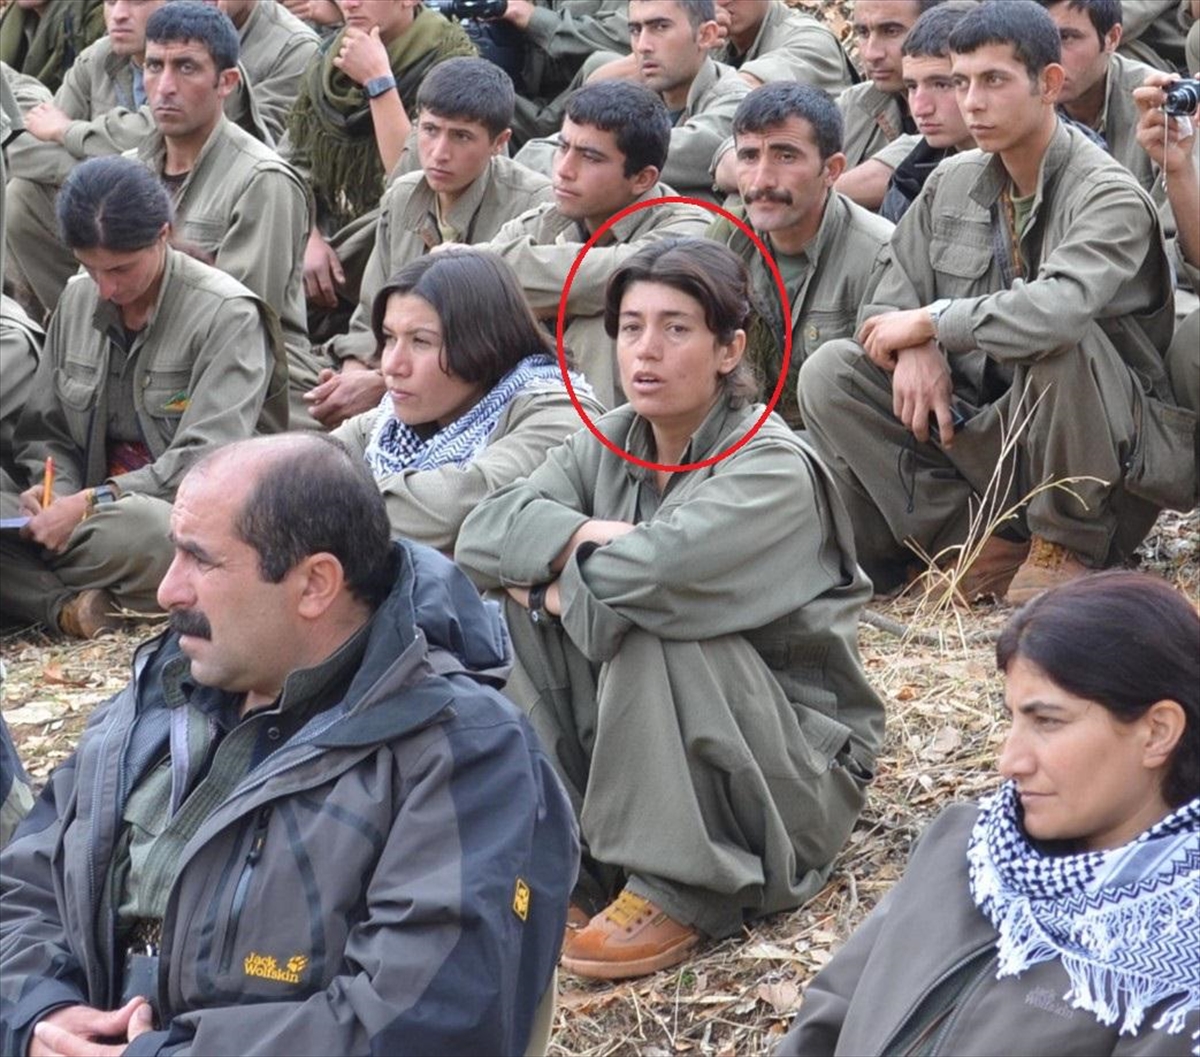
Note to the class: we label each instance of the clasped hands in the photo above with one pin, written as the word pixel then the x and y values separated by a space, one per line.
pixel 902 343
pixel 592 531
pixel 81 1031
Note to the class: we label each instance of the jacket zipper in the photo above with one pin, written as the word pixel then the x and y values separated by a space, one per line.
pixel 943 1031
pixel 889 1045
pixel 243 885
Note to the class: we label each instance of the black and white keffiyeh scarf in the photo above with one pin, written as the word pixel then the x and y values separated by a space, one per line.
pixel 1125 922
pixel 395 446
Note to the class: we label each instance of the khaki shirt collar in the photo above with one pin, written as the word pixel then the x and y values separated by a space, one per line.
pixel 776 13
pixel 422 205
pixel 154 151
pixel 993 180
pixel 639 439
pixel 702 83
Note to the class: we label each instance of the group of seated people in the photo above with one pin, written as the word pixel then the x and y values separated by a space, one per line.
pixel 398 376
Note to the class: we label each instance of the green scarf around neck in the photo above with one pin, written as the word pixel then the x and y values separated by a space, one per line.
pixel 64 29
pixel 331 124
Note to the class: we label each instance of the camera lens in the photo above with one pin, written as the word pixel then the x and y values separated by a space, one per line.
pixel 1183 97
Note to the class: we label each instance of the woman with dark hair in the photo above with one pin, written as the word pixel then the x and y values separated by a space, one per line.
pixel 475 397
pixel 152 359
pixel 685 638
pixel 1061 914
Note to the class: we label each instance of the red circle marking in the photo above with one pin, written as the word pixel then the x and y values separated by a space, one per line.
pixel 561 327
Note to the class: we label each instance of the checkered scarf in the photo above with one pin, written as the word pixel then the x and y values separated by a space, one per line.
pixel 395 446
pixel 1124 922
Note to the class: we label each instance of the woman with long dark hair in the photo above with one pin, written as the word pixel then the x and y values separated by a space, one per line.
pixel 1062 913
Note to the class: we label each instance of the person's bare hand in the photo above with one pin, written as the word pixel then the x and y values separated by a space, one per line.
pixel 723 22
pixel 52 526
pixel 623 69
pixel 921 387
pixel 883 336
pixel 79 1031
pixel 47 123
pixel 339 395
pixel 362 56
pixel 1171 152
pixel 518 12
pixel 320 12
pixel 323 274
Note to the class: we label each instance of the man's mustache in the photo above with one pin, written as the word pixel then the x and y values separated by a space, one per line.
pixel 191 622
pixel 770 194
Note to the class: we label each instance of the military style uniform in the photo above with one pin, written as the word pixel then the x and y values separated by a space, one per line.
pixel 826 283
pixel 276 48
pixel 542 245
pixel 703 698
pixel 871 120
pixel 792 46
pixel 1074 316
pixel 208 368
pixel 409 228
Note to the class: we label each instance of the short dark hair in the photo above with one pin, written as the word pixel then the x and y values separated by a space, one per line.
pixel 636 116
pixel 1023 24
pixel 184 21
pixel 1103 14
pixel 772 104
pixel 314 497
pixel 469 89
pixel 487 325
pixel 698 11
pixel 1125 640
pixel 929 37
pixel 708 272
pixel 111 203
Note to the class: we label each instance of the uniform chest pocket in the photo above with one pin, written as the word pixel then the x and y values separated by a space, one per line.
pixel 167 394
pixel 205 232
pixel 960 258
pixel 77 388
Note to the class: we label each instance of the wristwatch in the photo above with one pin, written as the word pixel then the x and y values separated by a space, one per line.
pixel 538 613
pixel 101 495
pixel 935 311
pixel 376 86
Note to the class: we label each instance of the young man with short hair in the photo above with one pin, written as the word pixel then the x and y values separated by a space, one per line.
pixel 1098 84
pixel 875 112
pixel 611 149
pixel 933 103
pixel 1028 294
pixel 236 201
pixel 466 190
pixel 829 251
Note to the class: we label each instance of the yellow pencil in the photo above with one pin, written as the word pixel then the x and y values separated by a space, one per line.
pixel 48 482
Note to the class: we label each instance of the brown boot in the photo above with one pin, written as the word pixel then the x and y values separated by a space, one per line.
pixel 630 937
pixel 993 569
pixel 1048 565
pixel 85 615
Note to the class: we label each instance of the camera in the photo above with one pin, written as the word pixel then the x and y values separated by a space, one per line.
pixel 469 9
pixel 1183 98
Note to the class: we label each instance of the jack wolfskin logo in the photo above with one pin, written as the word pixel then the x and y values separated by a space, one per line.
pixel 267 968
pixel 520 902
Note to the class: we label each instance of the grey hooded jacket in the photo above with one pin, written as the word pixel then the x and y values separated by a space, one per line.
pixel 392 878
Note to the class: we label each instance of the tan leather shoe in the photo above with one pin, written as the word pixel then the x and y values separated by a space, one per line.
pixel 630 937
pixel 88 613
pixel 1048 565
pixel 993 569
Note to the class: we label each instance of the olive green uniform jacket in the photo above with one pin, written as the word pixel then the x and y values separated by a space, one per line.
pixel 44 45
pixel 703 698
pixel 245 208
pixel 880 989
pixel 871 120
pixel 541 246
pixel 20 348
pixel 408 229
pixel 276 48
pixel 791 45
pixel 1082 332
pixel 208 368
pixel 429 506
pixel 840 269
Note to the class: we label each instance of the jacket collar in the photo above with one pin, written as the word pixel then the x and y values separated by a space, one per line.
pixel 702 83
pixel 717 426
pixel 422 203
pixel 154 150
pixel 992 181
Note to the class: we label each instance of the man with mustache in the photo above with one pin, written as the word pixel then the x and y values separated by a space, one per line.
pixel 307 825
pixel 237 203
pixel 829 251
